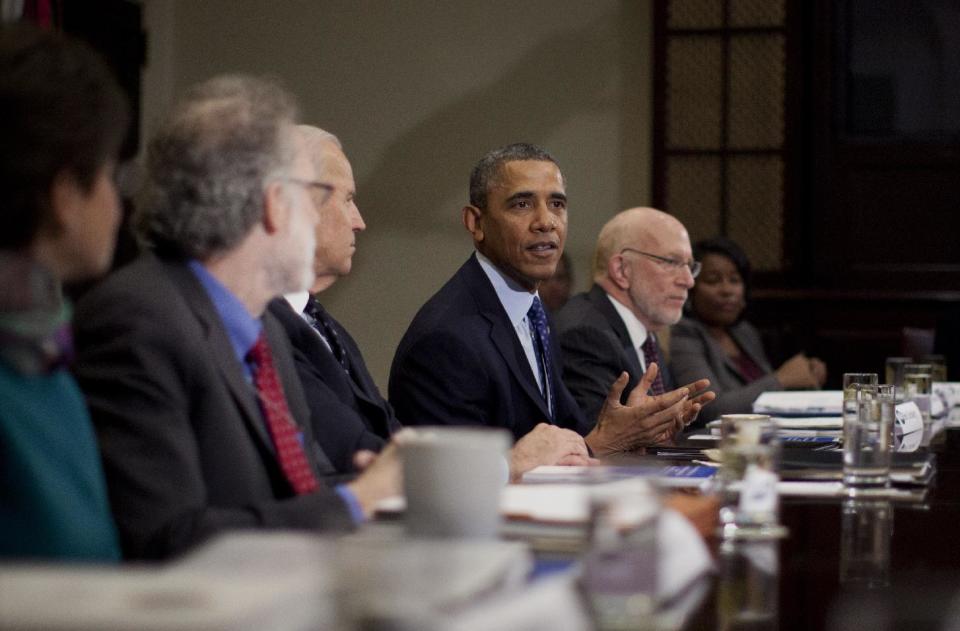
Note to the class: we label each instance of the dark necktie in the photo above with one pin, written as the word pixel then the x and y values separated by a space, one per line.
pixel 320 320
pixel 650 356
pixel 280 423
pixel 541 346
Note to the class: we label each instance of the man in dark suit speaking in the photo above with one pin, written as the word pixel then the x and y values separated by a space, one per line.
pixel 348 414
pixel 200 417
pixel 480 351
pixel 643 268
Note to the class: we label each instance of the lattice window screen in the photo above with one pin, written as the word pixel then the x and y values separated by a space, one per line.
pixel 695 93
pixel 723 152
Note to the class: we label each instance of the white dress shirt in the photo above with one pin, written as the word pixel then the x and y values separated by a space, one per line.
pixel 298 300
pixel 516 302
pixel 635 329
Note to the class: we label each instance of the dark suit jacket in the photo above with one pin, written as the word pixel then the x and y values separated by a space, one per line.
pixel 694 354
pixel 460 363
pixel 596 349
pixel 347 412
pixel 185 448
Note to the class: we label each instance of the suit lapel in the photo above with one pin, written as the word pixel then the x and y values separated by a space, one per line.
pixel 221 351
pixel 598 297
pixel 502 334
pixel 293 392
pixel 358 378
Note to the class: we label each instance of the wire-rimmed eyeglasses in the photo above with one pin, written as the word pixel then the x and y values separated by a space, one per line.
pixel 673 265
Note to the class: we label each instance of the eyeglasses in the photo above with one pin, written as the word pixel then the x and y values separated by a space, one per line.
pixel 312 185
pixel 673 265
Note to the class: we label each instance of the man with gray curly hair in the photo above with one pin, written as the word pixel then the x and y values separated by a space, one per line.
pixel 200 416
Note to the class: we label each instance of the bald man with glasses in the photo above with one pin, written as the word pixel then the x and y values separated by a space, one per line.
pixel 643 269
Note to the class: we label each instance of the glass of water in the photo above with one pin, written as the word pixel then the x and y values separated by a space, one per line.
pixel 750 455
pixel 852 382
pixel 865 532
pixel 868 422
pixel 917 387
pixel 894 370
pixel 851 379
pixel 938 367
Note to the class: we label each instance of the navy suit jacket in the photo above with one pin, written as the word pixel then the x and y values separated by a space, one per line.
pixel 185 448
pixel 460 363
pixel 347 412
pixel 596 349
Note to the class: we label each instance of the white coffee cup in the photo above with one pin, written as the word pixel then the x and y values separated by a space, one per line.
pixel 452 479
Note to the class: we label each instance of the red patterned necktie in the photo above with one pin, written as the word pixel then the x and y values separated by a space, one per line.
pixel 651 356
pixel 285 433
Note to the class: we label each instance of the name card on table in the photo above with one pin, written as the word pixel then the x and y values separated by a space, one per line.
pixel 909 419
pixel 759 491
pixel 908 427
pixel 948 392
pixel 945 402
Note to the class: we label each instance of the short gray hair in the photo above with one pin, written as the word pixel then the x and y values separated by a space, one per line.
pixel 487 170
pixel 208 162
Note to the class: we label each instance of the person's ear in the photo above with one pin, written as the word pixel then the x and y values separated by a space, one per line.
pixel 617 271
pixel 66 196
pixel 473 222
pixel 277 206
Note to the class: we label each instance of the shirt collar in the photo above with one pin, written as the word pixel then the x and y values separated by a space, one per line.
pixel 242 328
pixel 515 299
pixel 635 328
pixel 298 300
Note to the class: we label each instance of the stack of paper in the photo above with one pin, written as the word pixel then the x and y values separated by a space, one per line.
pixel 675 476
pixel 913 469
pixel 823 429
pixel 800 403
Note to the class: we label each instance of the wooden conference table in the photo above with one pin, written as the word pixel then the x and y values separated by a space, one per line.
pixel 873 565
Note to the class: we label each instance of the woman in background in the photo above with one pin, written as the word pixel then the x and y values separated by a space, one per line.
pixel 713 340
pixel 62 119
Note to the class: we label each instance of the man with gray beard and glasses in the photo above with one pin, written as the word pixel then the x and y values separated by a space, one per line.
pixel 200 416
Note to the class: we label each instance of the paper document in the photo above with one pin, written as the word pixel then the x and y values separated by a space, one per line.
pixel 793 488
pixel 800 403
pixel 685 476
pixel 796 423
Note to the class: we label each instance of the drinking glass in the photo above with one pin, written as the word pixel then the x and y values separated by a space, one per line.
pixel 917 386
pixel 748 586
pixel 938 367
pixel 894 370
pixel 852 381
pixel 619 575
pixel 865 533
pixel 868 423
pixel 750 455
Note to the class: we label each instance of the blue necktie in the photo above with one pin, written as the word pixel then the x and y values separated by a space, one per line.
pixel 541 346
